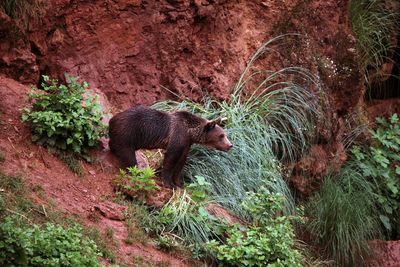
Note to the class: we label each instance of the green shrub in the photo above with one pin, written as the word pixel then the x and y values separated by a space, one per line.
pixel 65 117
pixel 25 245
pixel 380 165
pixel 341 217
pixel 139 180
pixel 268 241
pixel 135 182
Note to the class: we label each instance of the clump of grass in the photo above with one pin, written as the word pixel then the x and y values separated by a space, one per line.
pixel 71 161
pixel 342 217
pixel 13 195
pixel 24 10
pixel 139 222
pixel 104 242
pixel 375 23
pixel 140 261
pixel 273 122
pixel 135 233
pixel 188 219
pixel 185 225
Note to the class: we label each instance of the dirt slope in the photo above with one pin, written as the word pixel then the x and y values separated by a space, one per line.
pixel 78 197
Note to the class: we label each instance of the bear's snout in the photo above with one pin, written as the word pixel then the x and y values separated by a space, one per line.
pixel 227 145
pixel 227 148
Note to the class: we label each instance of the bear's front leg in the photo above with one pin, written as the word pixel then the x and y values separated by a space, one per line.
pixel 174 159
pixel 178 175
pixel 127 156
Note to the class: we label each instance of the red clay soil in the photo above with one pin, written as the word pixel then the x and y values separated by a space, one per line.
pixel 79 197
pixel 386 254
pixel 383 108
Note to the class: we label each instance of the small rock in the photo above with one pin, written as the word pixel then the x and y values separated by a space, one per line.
pixel 111 210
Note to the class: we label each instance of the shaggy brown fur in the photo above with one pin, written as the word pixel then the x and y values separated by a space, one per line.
pixel 145 128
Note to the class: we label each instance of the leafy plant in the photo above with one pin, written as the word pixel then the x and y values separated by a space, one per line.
pixel 268 241
pixel 380 164
pixel 65 117
pixel 25 245
pixel 137 182
pixel 198 188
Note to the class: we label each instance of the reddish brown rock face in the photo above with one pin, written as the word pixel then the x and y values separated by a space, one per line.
pixel 131 50
pixel 16 59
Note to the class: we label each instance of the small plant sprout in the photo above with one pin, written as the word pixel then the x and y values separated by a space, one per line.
pixel 136 181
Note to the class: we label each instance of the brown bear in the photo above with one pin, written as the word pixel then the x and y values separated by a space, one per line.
pixel 146 128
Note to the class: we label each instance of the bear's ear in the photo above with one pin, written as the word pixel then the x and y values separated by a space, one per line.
pixel 210 125
pixel 218 120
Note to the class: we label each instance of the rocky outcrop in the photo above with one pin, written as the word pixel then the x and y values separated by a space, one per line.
pixel 16 59
pixel 142 51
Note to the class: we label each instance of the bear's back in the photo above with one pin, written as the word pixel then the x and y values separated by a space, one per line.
pixel 140 127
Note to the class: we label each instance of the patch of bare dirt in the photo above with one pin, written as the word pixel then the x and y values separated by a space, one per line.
pixel 386 253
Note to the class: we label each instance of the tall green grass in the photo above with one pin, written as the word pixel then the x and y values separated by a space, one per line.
pixel 24 10
pixel 375 23
pixel 342 217
pixel 185 220
pixel 269 120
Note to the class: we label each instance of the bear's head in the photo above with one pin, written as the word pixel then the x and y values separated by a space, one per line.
pixel 215 136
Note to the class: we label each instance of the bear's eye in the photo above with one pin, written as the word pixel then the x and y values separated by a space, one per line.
pixel 221 136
